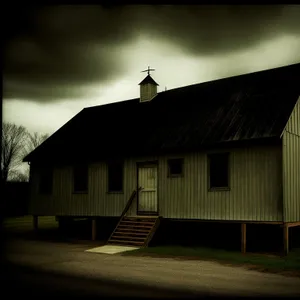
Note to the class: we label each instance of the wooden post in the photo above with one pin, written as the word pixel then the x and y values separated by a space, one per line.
pixel 94 229
pixel 286 238
pixel 35 223
pixel 243 242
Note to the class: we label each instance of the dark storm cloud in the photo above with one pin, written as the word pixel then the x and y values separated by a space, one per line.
pixel 63 46
pixel 58 49
pixel 208 30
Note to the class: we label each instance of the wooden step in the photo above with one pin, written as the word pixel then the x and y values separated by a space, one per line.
pixel 141 226
pixel 131 233
pixel 144 230
pixel 128 233
pixel 129 237
pixel 127 223
pixel 134 231
pixel 137 222
pixel 141 218
pixel 113 241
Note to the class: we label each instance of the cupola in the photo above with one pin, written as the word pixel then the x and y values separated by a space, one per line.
pixel 148 87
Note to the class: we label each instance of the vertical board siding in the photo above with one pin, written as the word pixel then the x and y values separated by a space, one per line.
pixel 255 184
pixel 291 167
pixel 147 91
pixel 291 163
pixel 39 204
pixel 255 189
pixel 97 202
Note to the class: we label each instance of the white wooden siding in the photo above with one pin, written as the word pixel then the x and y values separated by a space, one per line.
pixel 291 167
pixel 255 189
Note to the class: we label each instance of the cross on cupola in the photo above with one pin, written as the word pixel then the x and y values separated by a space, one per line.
pixel 148 70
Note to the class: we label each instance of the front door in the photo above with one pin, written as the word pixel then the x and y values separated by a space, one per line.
pixel 147 196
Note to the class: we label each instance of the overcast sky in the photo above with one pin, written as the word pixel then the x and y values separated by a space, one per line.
pixel 58 60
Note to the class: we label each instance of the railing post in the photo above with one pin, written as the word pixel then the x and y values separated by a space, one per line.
pixel 243 236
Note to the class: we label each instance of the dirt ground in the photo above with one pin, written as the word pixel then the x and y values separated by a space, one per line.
pixel 193 277
pixel 224 263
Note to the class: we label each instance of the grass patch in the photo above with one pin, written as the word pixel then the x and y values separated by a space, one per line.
pixel 48 230
pixel 26 223
pixel 267 262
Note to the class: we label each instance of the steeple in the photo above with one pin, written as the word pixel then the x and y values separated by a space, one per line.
pixel 148 87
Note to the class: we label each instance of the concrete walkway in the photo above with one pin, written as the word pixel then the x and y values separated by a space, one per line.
pixel 111 249
pixel 192 276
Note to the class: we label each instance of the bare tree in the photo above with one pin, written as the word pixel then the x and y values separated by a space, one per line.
pixel 17 142
pixel 18 176
pixel 34 140
pixel 13 141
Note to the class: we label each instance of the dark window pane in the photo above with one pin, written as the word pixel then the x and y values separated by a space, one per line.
pixel 175 166
pixel 218 164
pixel 46 181
pixel 115 177
pixel 80 178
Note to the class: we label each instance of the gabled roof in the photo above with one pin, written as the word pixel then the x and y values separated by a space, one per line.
pixel 148 79
pixel 241 108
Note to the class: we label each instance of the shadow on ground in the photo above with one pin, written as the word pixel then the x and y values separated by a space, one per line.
pixel 35 282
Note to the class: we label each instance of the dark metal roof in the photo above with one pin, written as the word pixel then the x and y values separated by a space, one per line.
pixel 242 108
pixel 148 79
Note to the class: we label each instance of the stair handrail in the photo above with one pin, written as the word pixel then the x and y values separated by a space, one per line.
pixel 129 202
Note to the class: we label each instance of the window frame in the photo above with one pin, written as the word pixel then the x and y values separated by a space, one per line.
pixel 173 175
pixel 108 165
pixel 77 191
pixel 209 159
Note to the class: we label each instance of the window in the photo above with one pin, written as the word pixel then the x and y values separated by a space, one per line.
pixel 115 177
pixel 46 181
pixel 219 170
pixel 175 168
pixel 80 179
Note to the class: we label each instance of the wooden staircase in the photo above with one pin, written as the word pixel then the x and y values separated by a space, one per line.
pixel 134 231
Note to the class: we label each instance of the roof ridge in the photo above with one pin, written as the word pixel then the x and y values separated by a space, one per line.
pixel 232 77
pixel 111 103
pixel 200 83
